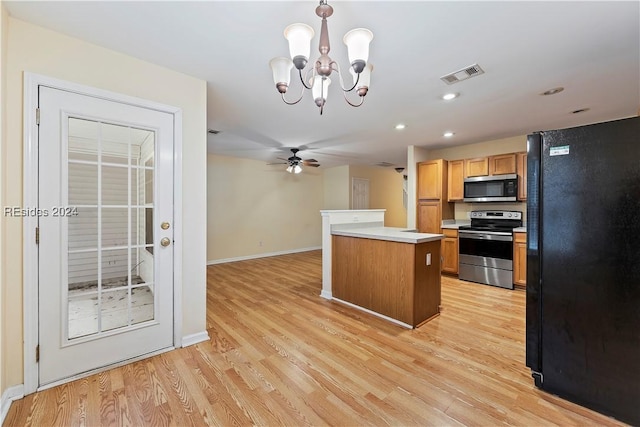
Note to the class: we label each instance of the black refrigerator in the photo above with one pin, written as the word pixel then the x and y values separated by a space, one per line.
pixel 583 265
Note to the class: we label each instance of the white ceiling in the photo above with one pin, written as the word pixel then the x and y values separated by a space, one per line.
pixel 592 49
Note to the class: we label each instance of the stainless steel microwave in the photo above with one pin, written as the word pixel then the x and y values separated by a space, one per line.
pixel 497 188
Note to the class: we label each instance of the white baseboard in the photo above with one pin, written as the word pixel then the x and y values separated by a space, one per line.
pixel 326 295
pixel 264 255
pixel 195 338
pixel 12 393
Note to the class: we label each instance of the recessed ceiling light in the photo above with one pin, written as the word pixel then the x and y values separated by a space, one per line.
pixel 552 91
pixel 450 96
pixel 400 126
pixel 448 134
pixel 581 110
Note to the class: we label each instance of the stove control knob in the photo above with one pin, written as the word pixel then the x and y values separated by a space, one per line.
pixel 509 215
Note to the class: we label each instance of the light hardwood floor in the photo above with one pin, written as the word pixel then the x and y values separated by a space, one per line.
pixel 281 355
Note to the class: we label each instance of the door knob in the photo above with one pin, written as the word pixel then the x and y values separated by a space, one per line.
pixel 165 225
pixel 165 241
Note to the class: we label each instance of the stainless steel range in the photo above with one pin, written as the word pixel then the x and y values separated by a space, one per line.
pixel 486 248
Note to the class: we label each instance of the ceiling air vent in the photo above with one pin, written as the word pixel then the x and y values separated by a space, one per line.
pixel 384 164
pixel 463 74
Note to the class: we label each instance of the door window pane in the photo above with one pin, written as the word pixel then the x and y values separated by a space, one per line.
pixel 110 269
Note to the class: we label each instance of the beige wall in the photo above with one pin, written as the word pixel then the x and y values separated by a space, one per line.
pixel 385 192
pixel 257 209
pixel 38 50
pixel 4 28
pixel 336 187
pixel 481 149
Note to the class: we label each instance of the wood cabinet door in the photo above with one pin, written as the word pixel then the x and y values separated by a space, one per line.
pixel 502 164
pixel 429 217
pixel 430 180
pixel 455 182
pixel 477 167
pixel 522 176
pixel 520 259
pixel 450 255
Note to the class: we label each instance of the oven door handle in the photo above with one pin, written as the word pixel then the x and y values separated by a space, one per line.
pixel 479 235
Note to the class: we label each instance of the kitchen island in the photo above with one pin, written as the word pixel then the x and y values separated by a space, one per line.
pixel 390 272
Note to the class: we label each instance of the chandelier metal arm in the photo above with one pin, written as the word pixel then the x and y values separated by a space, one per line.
pixel 302 79
pixel 304 86
pixel 351 103
pixel 337 70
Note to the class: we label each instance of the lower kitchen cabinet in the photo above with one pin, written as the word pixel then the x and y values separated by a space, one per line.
pixel 520 259
pixel 450 251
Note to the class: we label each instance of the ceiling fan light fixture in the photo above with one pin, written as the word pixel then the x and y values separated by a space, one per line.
pixel 299 37
pixel 297 169
pixel 290 169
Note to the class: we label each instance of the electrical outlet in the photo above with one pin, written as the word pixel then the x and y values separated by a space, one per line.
pixel 260 243
pixel 356 219
pixel 429 259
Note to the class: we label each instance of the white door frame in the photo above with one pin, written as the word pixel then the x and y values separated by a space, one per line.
pixel 30 199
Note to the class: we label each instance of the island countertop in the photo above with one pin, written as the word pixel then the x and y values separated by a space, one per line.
pixel 391 234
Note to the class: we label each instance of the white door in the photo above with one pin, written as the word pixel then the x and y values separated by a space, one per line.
pixel 105 253
pixel 360 193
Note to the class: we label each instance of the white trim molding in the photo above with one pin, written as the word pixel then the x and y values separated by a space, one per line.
pixel 192 339
pixel 30 198
pixel 12 393
pixel 264 255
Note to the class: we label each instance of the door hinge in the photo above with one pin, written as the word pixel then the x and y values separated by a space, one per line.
pixel 37 353
pixel 37 235
pixel 37 116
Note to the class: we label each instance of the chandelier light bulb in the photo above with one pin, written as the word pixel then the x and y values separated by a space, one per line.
pixel 357 41
pixel 319 89
pixel 299 37
pixel 281 68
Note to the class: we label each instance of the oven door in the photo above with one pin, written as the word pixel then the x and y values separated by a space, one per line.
pixel 494 250
pixel 486 258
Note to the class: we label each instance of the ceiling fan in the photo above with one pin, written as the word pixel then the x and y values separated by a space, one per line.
pixel 295 163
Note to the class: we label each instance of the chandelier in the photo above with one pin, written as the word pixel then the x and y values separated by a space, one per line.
pixel 316 78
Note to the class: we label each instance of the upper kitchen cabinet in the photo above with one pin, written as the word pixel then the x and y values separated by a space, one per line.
pixel 455 180
pixel 502 164
pixel 433 206
pixel 522 176
pixel 476 167
pixel 432 179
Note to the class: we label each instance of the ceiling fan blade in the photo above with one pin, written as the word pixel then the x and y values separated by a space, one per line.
pixel 279 163
pixel 313 165
pixel 311 161
pixel 280 158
